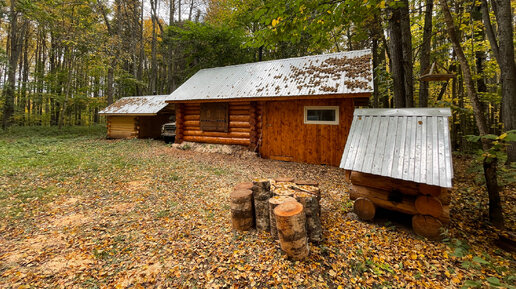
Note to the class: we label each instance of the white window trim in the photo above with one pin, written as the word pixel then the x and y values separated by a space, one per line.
pixel 335 122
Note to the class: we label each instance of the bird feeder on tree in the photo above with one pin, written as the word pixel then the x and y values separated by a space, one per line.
pixel 433 74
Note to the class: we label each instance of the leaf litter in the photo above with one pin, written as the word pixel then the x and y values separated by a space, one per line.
pixel 101 213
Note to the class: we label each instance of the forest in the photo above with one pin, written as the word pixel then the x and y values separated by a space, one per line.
pixel 61 61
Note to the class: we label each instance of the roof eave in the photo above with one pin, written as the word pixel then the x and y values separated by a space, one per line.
pixel 278 98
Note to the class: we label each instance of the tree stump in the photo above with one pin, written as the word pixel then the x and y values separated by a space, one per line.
pixel 242 210
pixel 261 195
pixel 427 226
pixel 291 223
pixel 273 203
pixel 284 192
pixel 312 213
pixel 244 186
pixel 428 205
pixel 364 208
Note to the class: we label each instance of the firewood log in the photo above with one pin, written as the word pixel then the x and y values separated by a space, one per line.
pixel 261 195
pixel 312 212
pixel 245 186
pixel 273 203
pixel 427 226
pixel 381 198
pixel 428 205
pixel 291 223
pixel 242 210
pixel 384 183
pixel 364 208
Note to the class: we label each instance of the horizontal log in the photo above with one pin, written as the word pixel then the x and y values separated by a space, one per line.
pixel 238 112
pixel 216 134
pixel 192 117
pixel 381 198
pixel 239 118
pixel 384 183
pixel 218 140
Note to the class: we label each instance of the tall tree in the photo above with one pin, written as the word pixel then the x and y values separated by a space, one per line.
pixel 425 53
pixel 490 163
pixel 503 50
pixel 14 48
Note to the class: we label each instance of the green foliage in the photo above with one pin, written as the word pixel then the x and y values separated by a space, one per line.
pixel 201 45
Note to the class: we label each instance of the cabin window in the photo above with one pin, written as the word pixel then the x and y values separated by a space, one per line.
pixel 322 115
pixel 215 117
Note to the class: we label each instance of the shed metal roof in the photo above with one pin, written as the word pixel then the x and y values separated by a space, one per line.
pixel 411 144
pixel 136 105
pixel 327 74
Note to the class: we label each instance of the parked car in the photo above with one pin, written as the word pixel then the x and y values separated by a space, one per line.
pixel 168 132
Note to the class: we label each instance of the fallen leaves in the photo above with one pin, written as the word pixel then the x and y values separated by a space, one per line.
pixel 98 213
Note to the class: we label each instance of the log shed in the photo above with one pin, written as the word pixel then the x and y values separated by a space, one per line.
pixel 400 160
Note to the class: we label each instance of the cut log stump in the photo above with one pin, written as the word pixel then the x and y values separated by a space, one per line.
pixel 428 205
pixel 364 208
pixel 427 226
pixel 312 212
pixel 291 223
pixel 244 186
pixel 242 216
pixel 307 183
pixel 261 195
pixel 273 203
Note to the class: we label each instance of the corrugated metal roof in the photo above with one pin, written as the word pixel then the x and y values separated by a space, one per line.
pixel 336 73
pixel 137 105
pixel 411 144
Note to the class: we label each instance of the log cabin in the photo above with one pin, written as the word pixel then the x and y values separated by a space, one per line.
pixel 297 109
pixel 137 116
pixel 400 160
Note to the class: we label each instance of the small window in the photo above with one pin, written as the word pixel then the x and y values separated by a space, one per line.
pixel 322 115
pixel 215 117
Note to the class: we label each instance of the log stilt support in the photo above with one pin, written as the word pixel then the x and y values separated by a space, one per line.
pixel 242 210
pixel 273 203
pixel 364 208
pixel 428 205
pixel 261 194
pixel 427 226
pixel 291 223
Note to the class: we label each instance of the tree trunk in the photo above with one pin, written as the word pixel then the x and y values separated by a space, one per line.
pixel 406 46
pixel 495 206
pixel 291 223
pixel 494 197
pixel 425 53
pixel 14 53
pixel 504 18
pixel 396 57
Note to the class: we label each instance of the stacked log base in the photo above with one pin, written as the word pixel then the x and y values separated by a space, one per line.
pixel 313 213
pixel 291 223
pixel 242 210
pixel 429 205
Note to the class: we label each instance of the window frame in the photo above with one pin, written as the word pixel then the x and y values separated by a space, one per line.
pixel 336 108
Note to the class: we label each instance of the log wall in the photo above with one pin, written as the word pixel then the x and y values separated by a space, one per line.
pixel 286 137
pixel 242 125
pixel 122 127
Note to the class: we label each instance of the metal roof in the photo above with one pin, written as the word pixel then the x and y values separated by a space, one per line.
pixel 327 74
pixel 136 105
pixel 411 144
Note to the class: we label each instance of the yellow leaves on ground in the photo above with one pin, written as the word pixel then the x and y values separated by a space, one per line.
pixel 146 215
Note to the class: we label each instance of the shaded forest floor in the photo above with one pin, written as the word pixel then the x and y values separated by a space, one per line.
pixel 82 211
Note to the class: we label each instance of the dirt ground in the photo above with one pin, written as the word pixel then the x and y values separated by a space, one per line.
pixel 133 214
